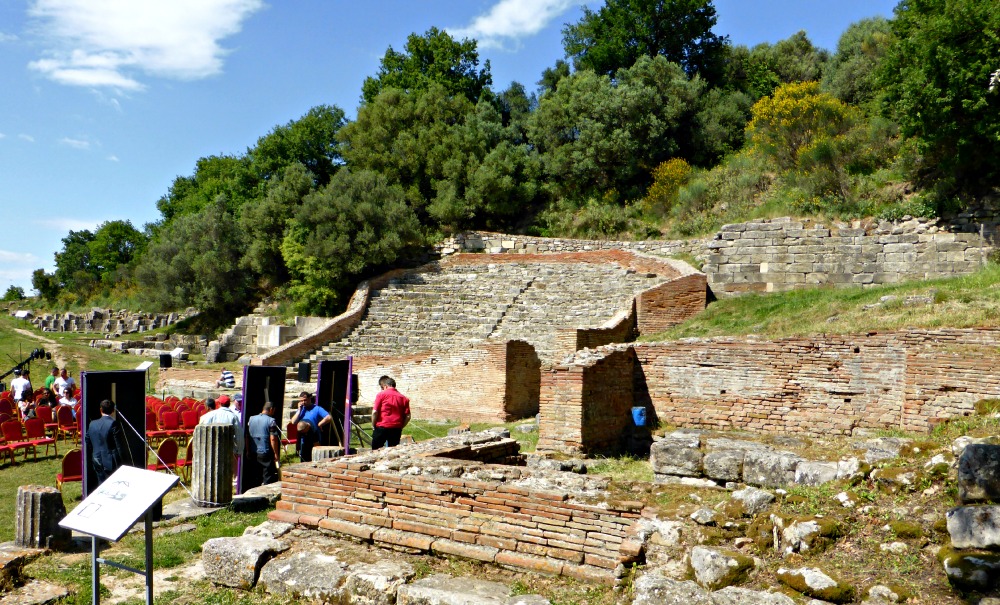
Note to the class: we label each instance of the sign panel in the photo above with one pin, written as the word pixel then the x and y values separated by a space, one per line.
pixel 118 503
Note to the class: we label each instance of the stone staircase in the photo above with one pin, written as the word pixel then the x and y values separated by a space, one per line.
pixel 458 306
pixel 570 296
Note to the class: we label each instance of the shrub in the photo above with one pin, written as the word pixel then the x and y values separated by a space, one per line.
pixel 668 178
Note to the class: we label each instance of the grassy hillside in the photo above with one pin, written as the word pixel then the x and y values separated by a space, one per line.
pixel 961 302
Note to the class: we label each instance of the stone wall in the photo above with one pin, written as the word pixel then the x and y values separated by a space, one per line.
pixel 441 497
pixel 833 385
pixel 106 321
pixel 783 254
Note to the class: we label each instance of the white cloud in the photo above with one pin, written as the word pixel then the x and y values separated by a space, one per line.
pixel 26 137
pixel 16 268
pixel 2 136
pixel 109 44
pixel 113 158
pixel 511 20
pixel 7 38
pixel 64 224
pixel 75 143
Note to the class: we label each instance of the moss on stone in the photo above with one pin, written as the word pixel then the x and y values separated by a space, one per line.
pixel 761 531
pixel 906 529
pixel 987 407
pixel 840 592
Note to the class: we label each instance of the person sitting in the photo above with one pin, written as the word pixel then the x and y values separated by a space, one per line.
pixel 69 398
pixel 226 380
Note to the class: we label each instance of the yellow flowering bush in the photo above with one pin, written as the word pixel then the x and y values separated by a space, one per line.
pixel 668 178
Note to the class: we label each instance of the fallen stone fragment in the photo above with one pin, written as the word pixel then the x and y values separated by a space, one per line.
pixel 971 570
pixel 446 590
pixel 813 582
pixel 979 474
pixel 770 469
pixel 974 526
pixel 269 529
pixel 754 500
pixel 305 575
pixel 883 448
pixel 236 562
pixel 677 454
pixel 376 583
pixel 35 592
pixel 724 465
pixel 705 516
pixel 847 499
pixel 655 589
pixel 882 595
pixel 714 568
pixel 733 595
pixel 814 473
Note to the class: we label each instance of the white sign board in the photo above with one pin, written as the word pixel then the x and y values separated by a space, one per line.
pixel 144 365
pixel 22 314
pixel 114 507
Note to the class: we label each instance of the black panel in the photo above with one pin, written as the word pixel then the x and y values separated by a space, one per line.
pixel 127 388
pixel 260 384
pixel 331 390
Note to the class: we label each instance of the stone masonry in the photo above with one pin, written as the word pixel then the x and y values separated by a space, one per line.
pixel 784 254
pixel 107 321
pixel 833 385
pixel 450 497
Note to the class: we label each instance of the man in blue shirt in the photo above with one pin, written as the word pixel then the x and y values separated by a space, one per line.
pixel 317 418
pixel 267 443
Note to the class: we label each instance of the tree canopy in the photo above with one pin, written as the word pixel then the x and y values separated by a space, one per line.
pixel 621 31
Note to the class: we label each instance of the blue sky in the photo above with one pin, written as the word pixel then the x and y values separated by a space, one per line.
pixel 105 102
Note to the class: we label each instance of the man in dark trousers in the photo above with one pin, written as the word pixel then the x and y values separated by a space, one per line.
pixel 267 442
pixel 106 442
pixel 390 413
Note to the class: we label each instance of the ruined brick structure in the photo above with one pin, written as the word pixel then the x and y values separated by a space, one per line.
pixel 450 497
pixel 830 385
pixel 467 337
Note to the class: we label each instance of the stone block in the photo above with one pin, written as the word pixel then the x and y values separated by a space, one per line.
pixel 714 568
pixel 236 562
pixel 376 583
pixel 754 501
pixel 814 473
pixel 724 465
pixel 974 526
pixel 979 474
pixel 770 469
pixel 307 574
pixel 677 454
pixel 442 589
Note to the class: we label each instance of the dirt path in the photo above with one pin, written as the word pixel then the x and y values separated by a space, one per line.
pixel 53 346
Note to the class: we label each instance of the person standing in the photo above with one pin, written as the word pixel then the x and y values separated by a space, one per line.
pixel 222 414
pixel 59 384
pixel 106 442
pixel 20 388
pixel 390 413
pixel 267 443
pixel 317 418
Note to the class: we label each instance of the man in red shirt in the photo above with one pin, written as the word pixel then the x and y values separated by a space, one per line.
pixel 390 413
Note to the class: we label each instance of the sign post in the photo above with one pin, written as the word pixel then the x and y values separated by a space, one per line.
pixel 112 509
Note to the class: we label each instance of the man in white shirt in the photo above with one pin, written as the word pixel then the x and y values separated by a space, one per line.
pixel 223 414
pixel 20 388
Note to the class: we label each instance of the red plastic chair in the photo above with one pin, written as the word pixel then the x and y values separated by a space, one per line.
pixel 4 417
pixel 72 468
pixel 13 434
pixel 172 425
pixel 166 456
pixel 66 424
pixel 7 450
pixel 7 406
pixel 291 436
pixel 35 434
pixel 189 420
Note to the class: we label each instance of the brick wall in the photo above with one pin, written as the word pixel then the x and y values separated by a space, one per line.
pixel 814 386
pixel 584 406
pixel 671 303
pixel 510 516
pixel 488 383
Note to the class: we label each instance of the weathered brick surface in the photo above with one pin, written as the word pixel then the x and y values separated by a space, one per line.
pixel 530 519
pixel 808 385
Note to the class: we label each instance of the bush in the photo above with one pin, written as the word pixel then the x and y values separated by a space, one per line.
pixel 668 178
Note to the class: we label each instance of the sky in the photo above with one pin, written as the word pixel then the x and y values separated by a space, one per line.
pixel 104 102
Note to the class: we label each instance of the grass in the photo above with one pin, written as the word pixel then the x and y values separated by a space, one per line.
pixel 960 302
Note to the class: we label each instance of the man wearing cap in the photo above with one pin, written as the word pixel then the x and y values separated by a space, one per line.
pixel 222 414
pixel 317 418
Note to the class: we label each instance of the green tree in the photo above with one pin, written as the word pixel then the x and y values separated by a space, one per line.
pixel 265 221
pixel 355 225
pixel 195 261
pixel 74 259
pixel 310 140
pixel 13 293
pixel 620 32
pixel 936 77
pixel 851 73
pixel 551 77
pixel 759 70
pixel 433 58
pixel 115 243
pixel 596 135
pixel 218 175
pixel 46 284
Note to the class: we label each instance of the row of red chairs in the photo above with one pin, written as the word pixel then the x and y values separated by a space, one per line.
pixel 27 437
pixel 72 463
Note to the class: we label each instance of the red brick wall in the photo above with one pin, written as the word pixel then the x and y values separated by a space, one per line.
pixel 671 303
pixel 523 380
pixel 488 520
pixel 813 386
